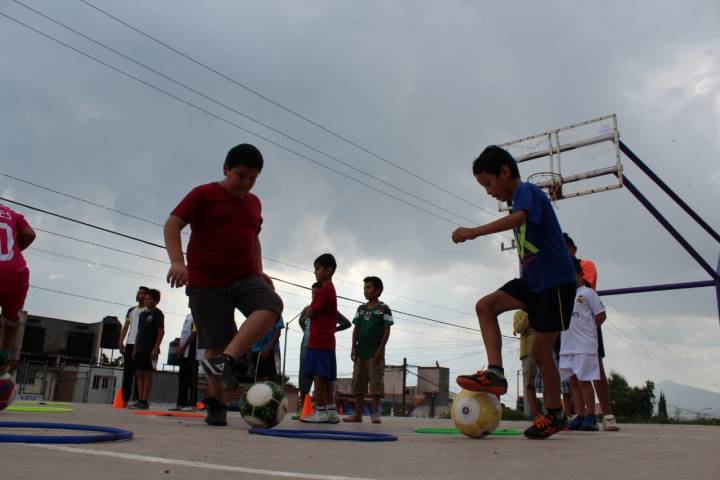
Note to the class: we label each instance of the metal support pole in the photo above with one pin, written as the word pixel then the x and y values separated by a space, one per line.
pixel 717 289
pixel 676 235
pixel 657 288
pixel 631 155
pixel 404 384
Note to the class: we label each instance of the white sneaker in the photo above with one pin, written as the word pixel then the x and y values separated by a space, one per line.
pixel 333 416
pixel 610 424
pixel 318 416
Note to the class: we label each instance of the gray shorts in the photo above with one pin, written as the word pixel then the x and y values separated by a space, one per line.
pixel 213 309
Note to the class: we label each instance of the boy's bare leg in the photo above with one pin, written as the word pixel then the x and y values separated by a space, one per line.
pixel 359 406
pixel 376 404
pixel 603 390
pixel 254 327
pixel 214 388
pixel 543 353
pixel 148 385
pixel 532 401
pixel 588 395
pixel 577 396
pixel 8 331
pixel 567 402
pixel 487 309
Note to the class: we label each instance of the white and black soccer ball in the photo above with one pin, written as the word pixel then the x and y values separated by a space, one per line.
pixel 263 405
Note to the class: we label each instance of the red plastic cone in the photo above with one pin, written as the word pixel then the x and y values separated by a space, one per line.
pixel 307 409
pixel 118 402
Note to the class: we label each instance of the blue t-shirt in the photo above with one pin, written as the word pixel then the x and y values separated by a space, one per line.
pixel 260 345
pixel 541 247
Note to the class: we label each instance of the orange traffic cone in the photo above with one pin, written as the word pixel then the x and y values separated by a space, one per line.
pixel 307 409
pixel 118 402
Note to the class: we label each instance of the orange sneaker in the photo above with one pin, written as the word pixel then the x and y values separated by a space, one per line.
pixel 546 425
pixel 483 381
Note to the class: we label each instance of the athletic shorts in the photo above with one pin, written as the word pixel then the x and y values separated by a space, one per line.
pixel 213 309
pixel 367 370
pixel 321 362
pixel 586 367
pixel 564 384
pixel 143 362
pixel 529 371
pixel 265 368
pixel 13 291
pixel 548 310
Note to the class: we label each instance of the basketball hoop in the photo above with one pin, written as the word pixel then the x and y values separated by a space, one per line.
pixel 550 182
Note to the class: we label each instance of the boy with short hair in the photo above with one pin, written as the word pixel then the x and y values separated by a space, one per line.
pixel 150 332
pixel 321 362
pixel 265 353
pixel 578 352
pixel 305 382
pixel 370 335
pixel 224 271
pixel 545 290
pixel 16 235
pixel 128 334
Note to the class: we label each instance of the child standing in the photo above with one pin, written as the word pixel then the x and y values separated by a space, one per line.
pixel 15 236
pixel 224 271
pixel 321 363
pixel 522 327
pixel 150 332
pixel 579 355
pixel 265 353
pixel 370 335
pixel 545 289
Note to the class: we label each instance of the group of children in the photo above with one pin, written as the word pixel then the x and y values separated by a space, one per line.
pixel 224 272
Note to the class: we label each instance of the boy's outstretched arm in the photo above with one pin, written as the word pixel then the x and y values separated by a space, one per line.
pixel 177 275
pixel 509 222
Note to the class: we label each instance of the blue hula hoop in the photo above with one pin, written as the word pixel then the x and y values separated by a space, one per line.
pixel 325 435
pixel 104 434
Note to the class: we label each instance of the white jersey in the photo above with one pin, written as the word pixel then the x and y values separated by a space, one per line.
pixel 582 337
pixel 187 329
pixel 133 315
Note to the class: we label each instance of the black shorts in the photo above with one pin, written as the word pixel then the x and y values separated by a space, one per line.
pixel 143 362
pixel 548 310
pixel 213 309
pixel 266 369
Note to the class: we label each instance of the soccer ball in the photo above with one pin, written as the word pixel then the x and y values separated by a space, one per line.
pixel 263 405
pixel 7 391
pixel 476 414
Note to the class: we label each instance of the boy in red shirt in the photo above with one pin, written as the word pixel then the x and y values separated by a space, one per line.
pixel 224 271
pixel 320 363
pixel 15 236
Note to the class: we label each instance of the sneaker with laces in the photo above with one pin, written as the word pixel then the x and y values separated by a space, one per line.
pixel 333 416
pixel 610 424
pixel 546 425
pixel 483 381
pixel 590 424
pixel 576 423
pixel 318 416
pixel 220 368
pixel 375 418
pixel 7 390
pixel 216 415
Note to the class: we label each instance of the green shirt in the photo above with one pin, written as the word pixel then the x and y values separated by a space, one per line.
pixel 371 326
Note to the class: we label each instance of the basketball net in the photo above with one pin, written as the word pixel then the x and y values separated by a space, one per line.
pixel 550 182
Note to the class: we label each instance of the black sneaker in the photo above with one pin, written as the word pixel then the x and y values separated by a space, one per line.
pixel 216 412
pixel 545 426
pixel 221 370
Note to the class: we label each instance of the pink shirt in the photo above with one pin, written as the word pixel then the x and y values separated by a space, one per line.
pixel 11 223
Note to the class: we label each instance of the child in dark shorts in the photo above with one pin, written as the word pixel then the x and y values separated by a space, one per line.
pixel 545 289
pixel 151 329
pixel 224 272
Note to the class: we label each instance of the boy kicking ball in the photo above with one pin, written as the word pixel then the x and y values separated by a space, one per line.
pixel 545 289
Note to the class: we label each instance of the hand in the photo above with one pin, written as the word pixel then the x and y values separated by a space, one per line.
pixel 379 356
pixel 177 275
pixel 155 353
pixel 121 347
pixel 265 354
pixel 462 234
pixel 353 354
pixel 268 279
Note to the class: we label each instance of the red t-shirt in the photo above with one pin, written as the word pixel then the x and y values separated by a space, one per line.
pixel 224 230
pixel 322 325
pixel 11 259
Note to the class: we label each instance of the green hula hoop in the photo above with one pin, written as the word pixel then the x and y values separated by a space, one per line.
pixel 37 409
pixel 455 431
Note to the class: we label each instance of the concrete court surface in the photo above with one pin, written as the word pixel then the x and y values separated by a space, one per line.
pixel 180 448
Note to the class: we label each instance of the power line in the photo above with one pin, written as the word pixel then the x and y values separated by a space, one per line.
pixel 287 109
pixel 86 224
pixel 236 125
pixel 238 112
pixel 152 222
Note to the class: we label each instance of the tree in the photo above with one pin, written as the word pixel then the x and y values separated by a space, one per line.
pixel 631 402
pixel 662 408
pixel 105 361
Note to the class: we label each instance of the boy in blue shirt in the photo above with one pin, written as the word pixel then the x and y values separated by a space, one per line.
pixel 265 353
pixel 545 289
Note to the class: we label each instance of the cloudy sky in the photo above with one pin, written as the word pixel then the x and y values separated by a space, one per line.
pixel 423 85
